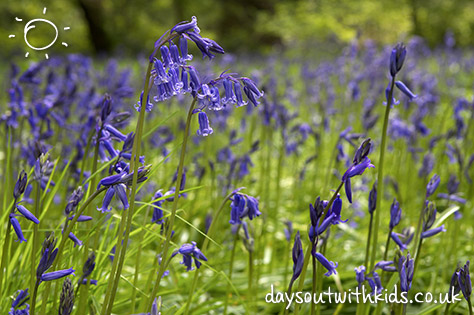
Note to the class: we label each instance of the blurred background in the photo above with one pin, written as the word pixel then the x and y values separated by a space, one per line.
pixel 126 28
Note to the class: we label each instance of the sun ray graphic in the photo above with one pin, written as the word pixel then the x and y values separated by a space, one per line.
pixel 31 25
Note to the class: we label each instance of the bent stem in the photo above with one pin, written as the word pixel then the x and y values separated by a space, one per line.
pixel 175 205
pixel 380 173
pixel 118 261
pixel 33 298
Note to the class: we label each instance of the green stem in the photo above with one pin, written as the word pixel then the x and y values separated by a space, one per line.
pixel 137 264
pixel 250 280
pixel 417 256
pixel 446 310
pixel 313 305
pixel 380 174
pixel 419 226
pixel 367 247
pixel 33 298
pixel 231 269
pixel 6 248
pixel 286 264
pixel 121 250
pixel 286 310
pixel 118 248
pixel 387 244
pixel 175 204
pixel 35 243
pixel 469 305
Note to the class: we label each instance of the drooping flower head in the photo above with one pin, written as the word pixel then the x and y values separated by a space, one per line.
pixel 329 265
pixel 243 206
pixel 190 252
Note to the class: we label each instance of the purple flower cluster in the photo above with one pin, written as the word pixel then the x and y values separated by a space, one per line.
pixel 243 206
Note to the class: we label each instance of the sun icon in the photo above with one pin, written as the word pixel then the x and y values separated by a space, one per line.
pixel 30 25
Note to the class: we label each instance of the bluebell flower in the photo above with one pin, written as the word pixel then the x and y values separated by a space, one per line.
pixel 373 198
pixel 74 200
pixel 81 218
pixel 452 184
pixel 429 217
pixel 452 197
pixel 17 228
pixel 329 265
pixel 109 194
pixel 405 271
pixel 385 265
pixel 237 207
pixel 427 165
pixel 72 237
pixel 20 302
pixel 252 208
pixel 374 283
pixel 66 299
pixel 298 257
pixel 403 239
pixel 353 170
pixel 464 281
pixel 432 232
pixel 360 275
pixel 87 270
pixel 43 170
pixel 405 90
pixel 20 184
pixel 395 214
pixel 121 192
pixel 186 26
pixel 336 211
pixel 397 57
pixel 243 206
pixel 204 128
pixel 288 230
pixel 56 274
pixel 27 214
pixel 157 216
pixel 190 252
pixel 432 185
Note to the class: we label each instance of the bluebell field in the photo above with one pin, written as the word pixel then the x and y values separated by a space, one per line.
pixel 196 180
